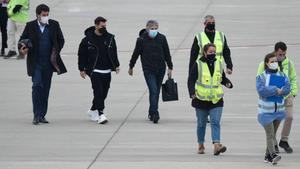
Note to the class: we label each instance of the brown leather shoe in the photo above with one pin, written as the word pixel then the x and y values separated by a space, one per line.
pixel 201 149
pixel 219 148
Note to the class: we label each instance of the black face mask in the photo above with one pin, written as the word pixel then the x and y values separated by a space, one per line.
pixel 210 26
pixel 211 57
pixel 102 30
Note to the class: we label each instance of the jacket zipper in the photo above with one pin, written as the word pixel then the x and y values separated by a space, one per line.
pixel 108 52
pixel 96 57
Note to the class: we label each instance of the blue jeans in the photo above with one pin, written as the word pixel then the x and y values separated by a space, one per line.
pixel 41 83
pixel 154 80
pixel 215 118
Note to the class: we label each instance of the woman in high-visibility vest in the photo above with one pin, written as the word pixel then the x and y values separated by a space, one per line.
pixel 205 87
pixel 272 86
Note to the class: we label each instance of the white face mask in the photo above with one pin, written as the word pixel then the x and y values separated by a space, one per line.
pixel 273 66
pixel 44 19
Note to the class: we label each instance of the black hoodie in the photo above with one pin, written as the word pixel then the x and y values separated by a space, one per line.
pixel 94 51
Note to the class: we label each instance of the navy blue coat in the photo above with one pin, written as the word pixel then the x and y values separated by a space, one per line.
pixel 57 39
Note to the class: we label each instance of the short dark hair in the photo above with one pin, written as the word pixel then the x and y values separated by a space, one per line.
pixel 267 58
pixel 42 7
pixel 99 19
pixel 205 48
pixel 280 45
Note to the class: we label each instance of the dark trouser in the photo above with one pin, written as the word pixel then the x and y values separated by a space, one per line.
pixel 100 85
pixel 154 80
pixel 3 25
pixel 41 83
pixel 271 130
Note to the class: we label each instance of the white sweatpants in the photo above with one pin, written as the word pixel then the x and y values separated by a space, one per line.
pixel 14 31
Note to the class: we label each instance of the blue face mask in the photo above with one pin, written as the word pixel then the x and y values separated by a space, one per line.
pixel 152 33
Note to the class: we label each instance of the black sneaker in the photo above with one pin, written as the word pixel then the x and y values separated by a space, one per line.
pixel 285 145
pixel 276 149
pixel 275 158
pixel 268 159
pixel 10 54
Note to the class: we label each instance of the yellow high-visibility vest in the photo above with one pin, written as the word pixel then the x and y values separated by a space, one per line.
pixel 23 15
pixel 209 88
pixel 218 41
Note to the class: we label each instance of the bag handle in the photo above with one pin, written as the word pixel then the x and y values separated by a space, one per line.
pixel 169 75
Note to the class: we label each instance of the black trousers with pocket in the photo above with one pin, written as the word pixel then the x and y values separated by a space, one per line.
pixel 100 85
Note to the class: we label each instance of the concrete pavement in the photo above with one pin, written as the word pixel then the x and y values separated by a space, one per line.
pixel 129 140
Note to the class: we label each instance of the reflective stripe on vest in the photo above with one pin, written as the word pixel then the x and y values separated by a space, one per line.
pixel 269 107
pixel 209 98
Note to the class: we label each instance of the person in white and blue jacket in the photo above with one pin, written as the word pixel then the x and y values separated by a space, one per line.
pixel 271 103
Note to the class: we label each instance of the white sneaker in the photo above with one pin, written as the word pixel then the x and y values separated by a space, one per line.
pixel 93 115
pixel 89 113
pixel 102 119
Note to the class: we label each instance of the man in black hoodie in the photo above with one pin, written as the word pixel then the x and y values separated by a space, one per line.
pixel 97 58
pixel 154 50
